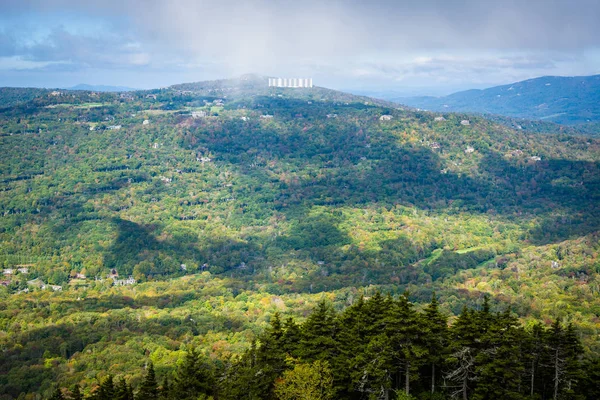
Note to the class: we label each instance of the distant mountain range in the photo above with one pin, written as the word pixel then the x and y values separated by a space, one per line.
pixel 101 88
pixel 562 100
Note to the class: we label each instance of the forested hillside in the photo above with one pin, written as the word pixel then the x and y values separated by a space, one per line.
pixel 10 96
pixel 379 348
pixel 228 201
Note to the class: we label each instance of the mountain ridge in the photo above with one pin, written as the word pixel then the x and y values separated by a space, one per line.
pixel 226 206
pixel 101 88
pixel 563 100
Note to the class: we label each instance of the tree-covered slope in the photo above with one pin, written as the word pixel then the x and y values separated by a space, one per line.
pixel 563 100
pixel 211 191
pixel 10 96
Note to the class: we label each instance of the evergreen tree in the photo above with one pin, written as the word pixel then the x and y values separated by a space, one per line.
pixel 165 390
pixel 193 377
pixel 149 388
pixel 435 326
pixel 121 390
pixel 319 333
pixel 275 329
pixel 290 340
pixel 564 351
pixel 374 369
pixel 130 395
pixel 499 364
pixel 589 387
pixel 405 333
pixel 572 353
pixel 76 393
pixel 465 337
pixel 57 395
pixel 241 382
pixel 533 353
pixel 106 390
pixel 352 342
pixel 374 313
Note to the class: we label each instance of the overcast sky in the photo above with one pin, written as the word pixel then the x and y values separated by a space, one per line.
pixel 421 46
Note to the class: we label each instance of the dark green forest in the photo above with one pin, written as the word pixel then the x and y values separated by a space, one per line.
pixel 380 348
pixel 135 226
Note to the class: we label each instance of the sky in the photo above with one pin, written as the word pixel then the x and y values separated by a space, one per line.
pixel 404 46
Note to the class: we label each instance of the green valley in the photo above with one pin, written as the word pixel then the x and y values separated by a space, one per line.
pixel 228 202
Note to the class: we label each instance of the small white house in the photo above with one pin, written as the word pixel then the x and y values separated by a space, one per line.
pixel 469 149
pixel 124 282
pixel 465 122
pixel 385 118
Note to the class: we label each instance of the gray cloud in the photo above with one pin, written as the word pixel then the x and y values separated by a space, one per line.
pixel 317 37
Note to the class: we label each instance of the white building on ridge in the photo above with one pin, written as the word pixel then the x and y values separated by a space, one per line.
pixel 291 82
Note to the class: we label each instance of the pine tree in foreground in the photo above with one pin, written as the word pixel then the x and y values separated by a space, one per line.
pixel 149 388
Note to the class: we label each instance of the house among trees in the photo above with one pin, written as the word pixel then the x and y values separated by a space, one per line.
pixel 8 271
pixel 469 149
pixel 124 282
pixel 515 153
pixel 36 282
pixel 465 122
pixel 23 270
pixel 113 274
pixel 385 118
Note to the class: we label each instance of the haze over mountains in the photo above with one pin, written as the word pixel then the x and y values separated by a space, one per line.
pixel 562 100
pixel 101 88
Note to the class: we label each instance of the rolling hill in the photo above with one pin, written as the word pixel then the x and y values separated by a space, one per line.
pixel 562 100
pixel 227 201
pixel 101 88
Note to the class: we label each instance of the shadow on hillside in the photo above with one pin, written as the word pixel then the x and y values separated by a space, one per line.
pixel 336 164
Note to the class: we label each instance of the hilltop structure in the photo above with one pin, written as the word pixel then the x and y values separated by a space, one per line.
pixel 291 82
